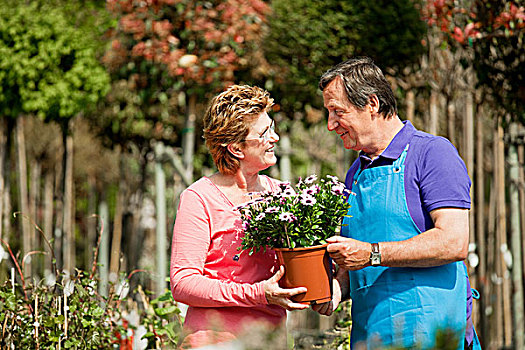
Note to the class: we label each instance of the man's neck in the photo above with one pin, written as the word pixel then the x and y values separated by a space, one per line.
pixel 388 128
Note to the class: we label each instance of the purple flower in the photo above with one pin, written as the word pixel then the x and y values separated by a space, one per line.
pixel 288 217
pixel 245 225
pixel 308 200
pixel 260 217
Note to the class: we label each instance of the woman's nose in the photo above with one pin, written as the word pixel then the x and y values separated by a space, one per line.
pixel 274 137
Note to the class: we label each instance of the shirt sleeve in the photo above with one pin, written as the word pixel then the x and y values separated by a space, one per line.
pixel 191 240
pixel 444 180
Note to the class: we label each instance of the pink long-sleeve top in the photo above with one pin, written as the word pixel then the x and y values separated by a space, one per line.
pixel 223 290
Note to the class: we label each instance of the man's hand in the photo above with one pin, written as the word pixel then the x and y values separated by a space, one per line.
pixel 340 288
pixel 348 253
pixel 279 296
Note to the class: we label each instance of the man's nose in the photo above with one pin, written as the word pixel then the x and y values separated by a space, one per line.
pixel 332 123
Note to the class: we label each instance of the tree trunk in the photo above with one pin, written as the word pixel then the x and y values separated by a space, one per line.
pixel 103 253
pixel 285 163
pixel 432 126
pixel 59 201
pixel 499 188
pixel 480 219
pixel 34 202
pixel 502 235
pixel 114 266
pixel 136 240
pixel 411 105
pixel 451 122
pixel 492 312
pixel 67 223
pixel 468 155
pixel 22 192
pixel 3 148
pixel 6 168
pixel 188 137
pixel 91 223
pixel 160 204
pixel 521 187
pixel 516 239
pixel 48 215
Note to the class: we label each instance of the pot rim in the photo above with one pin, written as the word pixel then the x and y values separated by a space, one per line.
pixel 302 248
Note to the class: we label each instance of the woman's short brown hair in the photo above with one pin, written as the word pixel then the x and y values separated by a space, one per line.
pixel 227 121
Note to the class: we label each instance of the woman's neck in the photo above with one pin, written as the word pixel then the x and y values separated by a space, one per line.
pixel 244 182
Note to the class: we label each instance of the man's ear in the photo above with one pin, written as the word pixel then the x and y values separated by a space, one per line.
pixel 373 103
pixel 235 150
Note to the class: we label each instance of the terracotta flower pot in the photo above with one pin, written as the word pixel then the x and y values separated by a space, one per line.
pixel 309 267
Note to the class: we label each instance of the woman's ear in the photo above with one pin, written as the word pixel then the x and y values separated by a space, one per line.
pixel 235 150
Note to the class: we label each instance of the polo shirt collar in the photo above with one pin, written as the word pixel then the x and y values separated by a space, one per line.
pixel 398 143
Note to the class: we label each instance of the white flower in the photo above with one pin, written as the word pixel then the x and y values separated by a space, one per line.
pixel 272 210
pixel 289 217
pixel 260 217
pixel 69 288
pixel 310 179
pixel 338 189
pixel 138 342
pixel 36 324
pixel 50 278
pixel 308 200
pixel 3 253
pixel 333 178
pixel 122 289
pixel 314 189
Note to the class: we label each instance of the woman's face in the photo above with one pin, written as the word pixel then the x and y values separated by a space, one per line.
pixel 259 144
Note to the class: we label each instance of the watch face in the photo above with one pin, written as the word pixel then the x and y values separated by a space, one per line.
pixel 375 260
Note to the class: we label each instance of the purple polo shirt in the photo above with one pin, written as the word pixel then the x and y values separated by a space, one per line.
pixel 435 177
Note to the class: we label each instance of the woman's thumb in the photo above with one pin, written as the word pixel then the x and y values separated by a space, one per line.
pixel 279 274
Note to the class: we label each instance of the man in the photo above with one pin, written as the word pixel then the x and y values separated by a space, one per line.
pixel 402 244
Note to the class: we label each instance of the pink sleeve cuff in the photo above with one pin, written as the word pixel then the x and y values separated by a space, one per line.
pixel 261 296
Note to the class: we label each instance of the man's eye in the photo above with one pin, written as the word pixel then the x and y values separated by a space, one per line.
pixel 339 112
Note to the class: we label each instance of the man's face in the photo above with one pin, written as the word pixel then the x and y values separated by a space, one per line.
pixel 353 125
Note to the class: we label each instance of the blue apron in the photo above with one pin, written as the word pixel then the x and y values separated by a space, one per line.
pixel 398 306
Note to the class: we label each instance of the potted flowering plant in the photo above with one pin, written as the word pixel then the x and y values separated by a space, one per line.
pixel 296 223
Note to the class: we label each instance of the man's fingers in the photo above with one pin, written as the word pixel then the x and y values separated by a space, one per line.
pixel 334 247
pixel 324 308
pixel 297 306
pixel 334 239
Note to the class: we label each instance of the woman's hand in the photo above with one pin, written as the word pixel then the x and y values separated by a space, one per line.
pixel 279 296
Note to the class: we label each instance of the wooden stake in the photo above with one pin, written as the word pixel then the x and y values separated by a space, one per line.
pixel 13 279
pixel 65 316
pixel 36 322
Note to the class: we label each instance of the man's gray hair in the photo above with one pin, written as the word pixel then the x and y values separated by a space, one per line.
pixel 362 79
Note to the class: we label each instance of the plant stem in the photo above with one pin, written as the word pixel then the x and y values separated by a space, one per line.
pixel 287 237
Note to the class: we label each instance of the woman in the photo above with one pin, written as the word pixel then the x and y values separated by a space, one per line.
pixel 227 292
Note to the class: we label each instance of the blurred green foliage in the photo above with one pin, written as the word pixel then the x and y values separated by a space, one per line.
pixel 308 37
pixel 48 65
